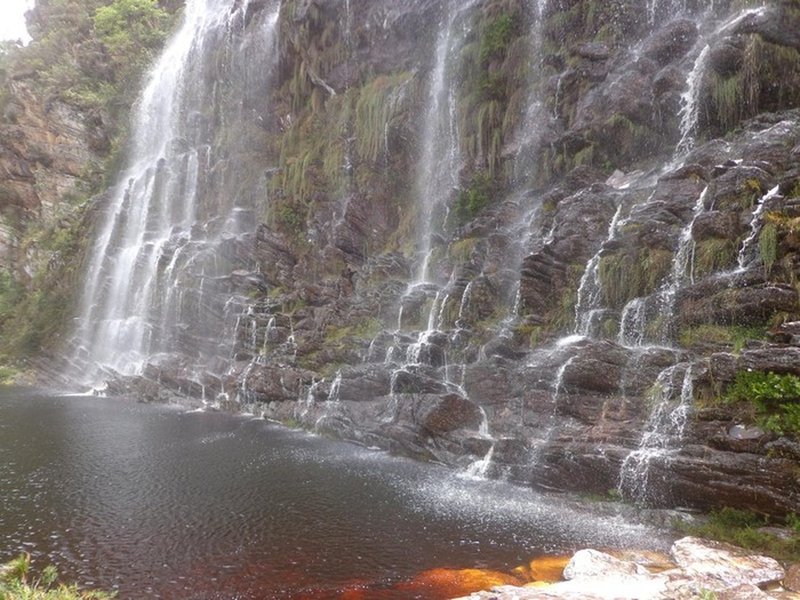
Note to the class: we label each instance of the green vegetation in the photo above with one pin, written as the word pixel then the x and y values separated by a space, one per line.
pixel 497 36
pixel 11 293
pixel 16 583
pixel 632 272
pixel 378 107
pixel 775 399
pixel 728 100
pixel 713 255
pixel 33 315
pixel 491 74
pixel 768 246
pixel 460 251
pixel 733 336
pixel 92 53
pixel 290 218
pixel 363 330
pixel 768 80
pixel 475 197
pixel 124 24
pixel 741 528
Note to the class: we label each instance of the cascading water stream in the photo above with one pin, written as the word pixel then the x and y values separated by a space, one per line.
pixel 681 271
pixel 589 289
pixel 690 99
pixel 662 433
pixel 480 468
pixel 747 250
pixel 149 246
pixel 690 104
pixel 536 115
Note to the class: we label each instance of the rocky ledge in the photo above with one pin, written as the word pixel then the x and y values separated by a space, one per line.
pixel 696 568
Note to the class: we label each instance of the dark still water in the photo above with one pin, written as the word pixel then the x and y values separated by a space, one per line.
pixel 157 502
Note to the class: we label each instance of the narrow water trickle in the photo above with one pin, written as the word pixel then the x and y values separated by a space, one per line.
pixel 690 103
pixel 589 289
pixel 747 252
pixel 681 271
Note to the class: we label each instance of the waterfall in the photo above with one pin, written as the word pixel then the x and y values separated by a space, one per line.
pixel 662 433
pixel 437 170
pixel 152 243
pixel 536 113
pixel 479 469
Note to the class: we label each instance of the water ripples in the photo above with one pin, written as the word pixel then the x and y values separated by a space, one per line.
pixel 157 503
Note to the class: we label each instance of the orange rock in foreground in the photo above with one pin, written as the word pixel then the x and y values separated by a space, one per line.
pixel 448 583
pixel 548 568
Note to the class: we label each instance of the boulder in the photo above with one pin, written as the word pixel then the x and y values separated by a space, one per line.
pixel 721 566
pixel 587 564
pixel 792 579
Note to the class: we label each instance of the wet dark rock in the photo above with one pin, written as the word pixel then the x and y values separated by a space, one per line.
pixel 783 448
pixel 248 280
pixel 740 187
pixel 740 438
pixel 490 382
pixel 274 383
pixel 672 42
pixel 446 413
pixel 716 224
pixel 726 57
pixel 480 300
pixel 704 478
pixel 774 359
pixel 276 255
pixel 778 24
pixel 786 333
pixel 597 367
pixel 417 380
pixel 713 302
pixel 581 223
pixel 364 382
pixel 669 80
pixel 593 51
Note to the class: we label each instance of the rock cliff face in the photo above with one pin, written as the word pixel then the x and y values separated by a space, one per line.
pixel 538 240
pixel 45 150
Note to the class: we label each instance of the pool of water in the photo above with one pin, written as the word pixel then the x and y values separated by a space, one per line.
pixel 160 502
